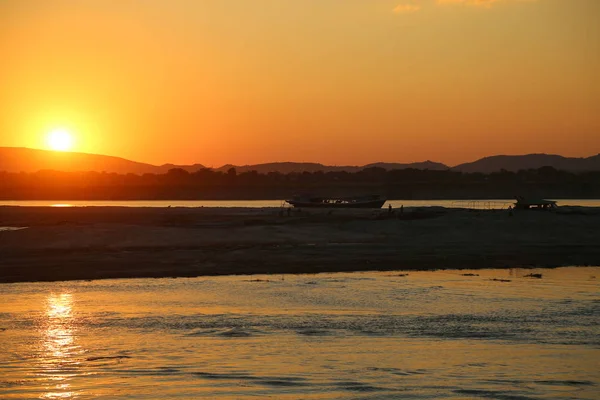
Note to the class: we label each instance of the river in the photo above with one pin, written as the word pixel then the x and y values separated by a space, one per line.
pixel 376 335
pixel 479 204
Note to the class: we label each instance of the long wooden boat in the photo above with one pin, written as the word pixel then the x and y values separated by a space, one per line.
pixel 373 201
pixel 534 204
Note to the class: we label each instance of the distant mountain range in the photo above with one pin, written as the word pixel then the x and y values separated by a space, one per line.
pixel 17 159
pixel 287 167
pixel 531 161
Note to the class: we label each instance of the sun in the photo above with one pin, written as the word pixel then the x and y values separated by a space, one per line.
pixel 60 140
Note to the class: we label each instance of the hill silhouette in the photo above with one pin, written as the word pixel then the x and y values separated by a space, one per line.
pixel 285 167
pixel 289 167
pixel 491 164
pixel 430 165
pixel 20 159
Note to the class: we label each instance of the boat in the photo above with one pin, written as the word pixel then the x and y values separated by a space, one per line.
pixel 371 201
pixel 534 204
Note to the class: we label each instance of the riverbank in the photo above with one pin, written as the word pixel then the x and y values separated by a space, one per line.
pixel 125 242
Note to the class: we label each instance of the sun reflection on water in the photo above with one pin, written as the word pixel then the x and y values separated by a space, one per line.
pixel 59 347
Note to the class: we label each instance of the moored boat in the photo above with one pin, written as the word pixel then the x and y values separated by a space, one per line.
pixel 372 201
pixel 534 204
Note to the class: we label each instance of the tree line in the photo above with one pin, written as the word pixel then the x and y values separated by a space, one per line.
pixel 210 184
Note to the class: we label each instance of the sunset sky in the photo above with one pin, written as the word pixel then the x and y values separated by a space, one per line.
pixel 330 81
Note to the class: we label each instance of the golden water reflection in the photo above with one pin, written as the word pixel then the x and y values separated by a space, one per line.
pixel 59 347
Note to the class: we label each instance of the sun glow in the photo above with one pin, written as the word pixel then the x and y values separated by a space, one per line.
pixel 60 140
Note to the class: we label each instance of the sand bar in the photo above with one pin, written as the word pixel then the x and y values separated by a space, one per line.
pixel 118 242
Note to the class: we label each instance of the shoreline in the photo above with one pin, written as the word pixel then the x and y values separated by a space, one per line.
pixel 83 243
pixel 296 270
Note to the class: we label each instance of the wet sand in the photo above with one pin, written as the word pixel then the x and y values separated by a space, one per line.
pixel 119 242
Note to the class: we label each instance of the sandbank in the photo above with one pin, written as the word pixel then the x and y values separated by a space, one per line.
pixel 122 242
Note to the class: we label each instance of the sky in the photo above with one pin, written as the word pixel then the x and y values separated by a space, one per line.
pixel 341 82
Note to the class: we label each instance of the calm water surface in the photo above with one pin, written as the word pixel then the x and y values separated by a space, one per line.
pixel 502 203
pixel 498 334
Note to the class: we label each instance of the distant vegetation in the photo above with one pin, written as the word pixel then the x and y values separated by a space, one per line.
pixel 180 184
pixel 539 175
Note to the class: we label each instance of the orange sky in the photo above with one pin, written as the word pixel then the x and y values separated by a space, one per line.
pixel 331 81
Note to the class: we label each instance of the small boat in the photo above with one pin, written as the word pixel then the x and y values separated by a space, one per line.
pixel 372 201
pixel 534 204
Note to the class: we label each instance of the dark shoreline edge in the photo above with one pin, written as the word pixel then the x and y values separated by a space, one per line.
pixel 52 275
pixel 274 274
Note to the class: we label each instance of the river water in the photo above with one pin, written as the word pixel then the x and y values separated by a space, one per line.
pixel 496 334
pixel 479 204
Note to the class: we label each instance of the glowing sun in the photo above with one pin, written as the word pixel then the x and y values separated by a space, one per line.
pixel 60 140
